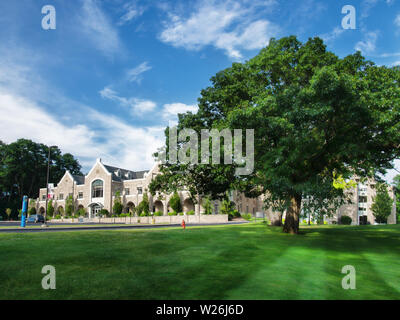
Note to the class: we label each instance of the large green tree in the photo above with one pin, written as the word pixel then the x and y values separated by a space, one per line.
pixel 23 169
pixel 314 115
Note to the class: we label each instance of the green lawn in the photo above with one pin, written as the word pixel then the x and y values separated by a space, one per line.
pixel 250 261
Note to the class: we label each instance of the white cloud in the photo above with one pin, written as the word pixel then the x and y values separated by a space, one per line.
pixel 98 28
pixel 22 118
pixel 369 44
pixel 229 26
pixel 101 135
pixel 170 111
pixel 397 20
pixel 137 106
pixel 32 108
pixel 132 11
pixel 127 146
pixel 134 75
pixel 336 32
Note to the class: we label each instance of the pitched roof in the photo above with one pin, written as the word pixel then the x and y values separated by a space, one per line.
pixel 79 179
pixel 119 174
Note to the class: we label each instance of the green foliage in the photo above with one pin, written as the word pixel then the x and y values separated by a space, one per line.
pixel 158 214
pixel 69 206
pixel 81 212
pixel 236 213
pixel 50 209
pixel 23 168
pixel 190 213
pixel 227 206
pixel 382 204
pixel 175 202
pixel 313 114
pixel 32 211
pixel 207 205
pixel 58 216
pixel 173 213
pixel 340 183
pixel 246 216
pixel 104 213
pixel 117 207
pixel 345 220
pixel 143 207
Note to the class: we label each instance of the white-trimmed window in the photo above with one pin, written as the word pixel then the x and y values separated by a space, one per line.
pixel 97 189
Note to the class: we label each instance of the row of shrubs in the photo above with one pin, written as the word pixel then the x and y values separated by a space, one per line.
pixel 105 213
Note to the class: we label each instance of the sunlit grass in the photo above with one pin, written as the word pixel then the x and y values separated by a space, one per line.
pixel 251 261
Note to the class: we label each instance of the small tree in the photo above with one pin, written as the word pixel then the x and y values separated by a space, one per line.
pixel 69 206
pixel 382 206
pixel 143 207
pixel 104 213
pixel 8 213
pixel 81 212
pixel 175 202
pixel 207 206
pixel 50 209
pixel 227 206
pixel 117 207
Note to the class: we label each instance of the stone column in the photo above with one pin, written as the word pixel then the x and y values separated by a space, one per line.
pixel 197 206
pixel 165 203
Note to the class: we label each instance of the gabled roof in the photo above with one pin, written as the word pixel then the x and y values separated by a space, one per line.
pixel 119 174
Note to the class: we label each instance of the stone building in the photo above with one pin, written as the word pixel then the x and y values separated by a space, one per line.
pixel 97 190
pixel 362 198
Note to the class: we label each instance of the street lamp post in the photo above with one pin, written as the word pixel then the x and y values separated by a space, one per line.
pixel 47 187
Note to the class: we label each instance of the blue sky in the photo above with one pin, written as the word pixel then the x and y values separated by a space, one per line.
pixel 114 73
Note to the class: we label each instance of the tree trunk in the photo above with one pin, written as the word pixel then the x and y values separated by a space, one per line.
pixel 292 215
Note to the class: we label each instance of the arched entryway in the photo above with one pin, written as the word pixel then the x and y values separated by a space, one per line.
pixel 41 211
pixel 94 209
pixel 130 207
pixel 158 206
pixel 60 210
pixel 188 205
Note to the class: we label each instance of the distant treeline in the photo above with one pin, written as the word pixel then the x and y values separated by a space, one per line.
pixel 23 169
